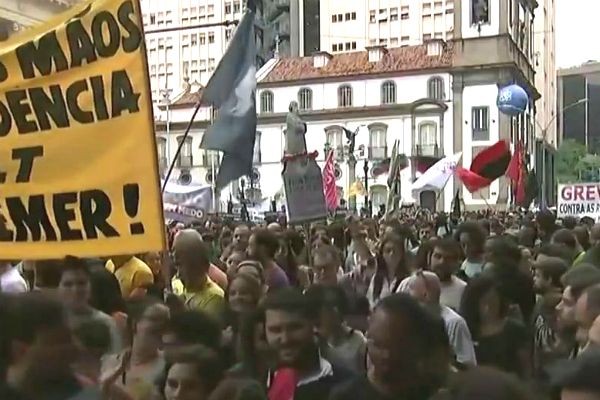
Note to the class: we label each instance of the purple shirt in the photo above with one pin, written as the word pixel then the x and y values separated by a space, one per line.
pixel 276 278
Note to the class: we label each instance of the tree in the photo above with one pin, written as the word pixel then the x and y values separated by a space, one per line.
pixel 588 167
pixel 568 157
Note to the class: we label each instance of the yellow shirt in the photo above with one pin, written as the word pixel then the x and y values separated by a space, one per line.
pixel 132 275
pixel 210 299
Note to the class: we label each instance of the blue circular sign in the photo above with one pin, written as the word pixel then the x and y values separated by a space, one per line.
pixel 512 100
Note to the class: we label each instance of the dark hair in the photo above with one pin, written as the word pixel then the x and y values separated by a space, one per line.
pixel 569 222
pixel 426 329
pixel 251 280
pixel 580 278
pixel 593 300
pixel 330 297
pixel 546 220
pixel 105 291
pixel 474 292
pixel 552 268
pixel 527 236
pixel 448 246
pixel 94 335
pixel 381 272
pixel 476 234
pixel 48 273
pixel 583 236
pixel 195 327
pixel 423 256
pixel 580 374
pixel 504 251
pixel 485 383
pixel 566 237
pixel 208 364
pixel 556 250
pixel 289 300
pixel 327 251
pixel 75 264
pixel 30 313
pixel 267 239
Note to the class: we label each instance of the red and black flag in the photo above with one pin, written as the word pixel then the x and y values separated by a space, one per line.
pixel 517 173
pixel 423 163
pixel 487 166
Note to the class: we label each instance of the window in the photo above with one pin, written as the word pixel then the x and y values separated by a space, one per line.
pixel 427 144
pixel 161 148
pixel 480 12
pixel 334 47
pixel 404 12
pixel 202 38
pixel 236 7
pixel 394 14
pixel 228 32
pixel 372 18
pixel 427 36
pixel 211 37
pixel 404 40
pixel 353 16
pixel 256 159
pixel 210 158
pixel 335 139
pixel 480 122
pixel 305 99
pixel 266 102
pixel 211 64
pixel 388 92
pixel 348 45
pixel 345 96
pixel 353 46
pixel 347 16
pixel 228 8
pixel 194 40
pixel 378 142
pixel 435 88
pixel 152 18
pixel 334 18
pixel 394 42
pixel 185 159
pixel 185 69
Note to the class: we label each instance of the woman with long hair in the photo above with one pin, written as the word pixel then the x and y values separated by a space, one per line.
pixel 392 268
pixel 500 341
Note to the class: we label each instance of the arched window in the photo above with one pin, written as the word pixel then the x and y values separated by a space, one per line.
pixel 388 92
pixel 305 99
pixel 185 159
pixel 266 102
pixel 377 141
pixel 378 196
pixel 427 143
pixel 345 96
pixel 335 139
pixel 435 88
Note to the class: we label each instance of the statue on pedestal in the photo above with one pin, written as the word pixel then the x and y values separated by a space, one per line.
pixel 295 141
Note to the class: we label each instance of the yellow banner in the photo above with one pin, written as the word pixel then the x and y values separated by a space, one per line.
pixel 78 167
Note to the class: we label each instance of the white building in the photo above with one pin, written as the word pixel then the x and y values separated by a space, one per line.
pixel 545 70
pixel 353 25
pixel 18 14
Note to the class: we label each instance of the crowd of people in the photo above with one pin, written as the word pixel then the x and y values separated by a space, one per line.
pixel 500 306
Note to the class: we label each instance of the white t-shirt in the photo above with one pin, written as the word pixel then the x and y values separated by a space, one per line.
pixel 452 292
pixel 459 336
pixel 11 281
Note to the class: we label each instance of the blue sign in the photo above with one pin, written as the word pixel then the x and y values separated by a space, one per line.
pixel 512 100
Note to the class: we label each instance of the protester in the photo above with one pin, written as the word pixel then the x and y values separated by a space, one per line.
pixel 11 280
pixel 133 274
pixel 445 263
pixel 263 246
pixel 471 238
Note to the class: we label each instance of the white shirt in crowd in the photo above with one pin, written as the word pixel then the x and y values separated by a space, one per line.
pixel 387 288
pixel 459 336
pixel 451 293
pixel 11 281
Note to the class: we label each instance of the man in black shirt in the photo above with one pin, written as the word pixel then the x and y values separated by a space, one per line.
pixel 408 354
pixel 301 372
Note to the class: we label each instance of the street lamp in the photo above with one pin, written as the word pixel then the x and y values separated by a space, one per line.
pixel 367 202
pixel 544 134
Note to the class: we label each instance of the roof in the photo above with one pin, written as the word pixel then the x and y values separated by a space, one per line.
pixel 187 98
pixel 400 59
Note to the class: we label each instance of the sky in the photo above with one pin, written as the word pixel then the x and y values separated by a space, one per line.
pixel 577 32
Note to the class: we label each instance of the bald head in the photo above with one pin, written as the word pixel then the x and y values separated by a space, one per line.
pixel 274 227
pixel 425 286
pixel 191 253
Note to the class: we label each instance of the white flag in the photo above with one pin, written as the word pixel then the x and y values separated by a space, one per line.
pixel 436 177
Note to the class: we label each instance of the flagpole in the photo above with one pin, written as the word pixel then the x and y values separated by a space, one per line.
pixel 212 168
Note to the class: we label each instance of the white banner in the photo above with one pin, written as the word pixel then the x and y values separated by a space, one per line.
pixel 579 200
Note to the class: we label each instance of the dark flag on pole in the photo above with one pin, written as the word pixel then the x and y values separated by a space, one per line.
pixel 231 90
pixel 487 166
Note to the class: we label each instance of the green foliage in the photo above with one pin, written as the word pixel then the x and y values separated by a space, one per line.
pixel 569 161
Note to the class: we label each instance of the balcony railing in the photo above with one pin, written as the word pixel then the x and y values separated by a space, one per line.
pixel 429 150
pixel 377 152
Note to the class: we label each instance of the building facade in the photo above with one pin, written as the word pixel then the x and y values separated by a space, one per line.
pixel 545 71
pixel 18 14
pixel 577 118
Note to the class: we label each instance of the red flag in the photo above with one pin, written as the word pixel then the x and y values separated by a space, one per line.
pixel 487 166
pixel 329 188
pixel 516 172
